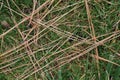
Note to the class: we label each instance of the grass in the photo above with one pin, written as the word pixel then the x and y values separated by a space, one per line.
pixel 59 40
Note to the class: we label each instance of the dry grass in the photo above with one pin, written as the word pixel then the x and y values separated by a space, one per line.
pixel 53 36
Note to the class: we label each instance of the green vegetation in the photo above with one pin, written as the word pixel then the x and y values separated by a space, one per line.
pixel 59 39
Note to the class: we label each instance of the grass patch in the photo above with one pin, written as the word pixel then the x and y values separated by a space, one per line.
pixel 59 40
